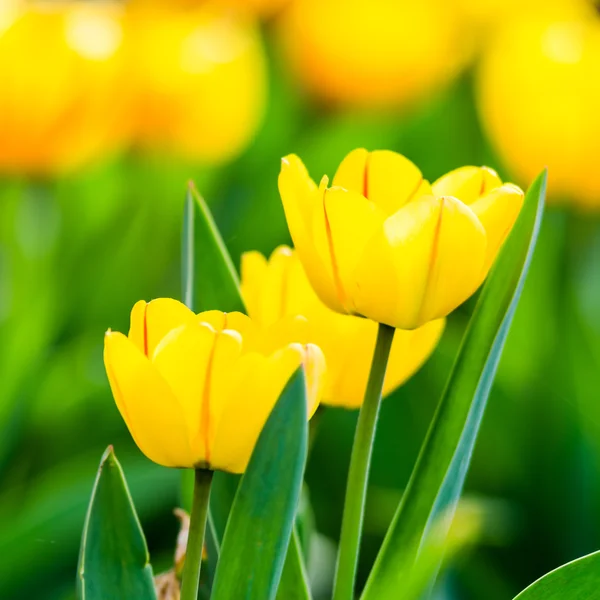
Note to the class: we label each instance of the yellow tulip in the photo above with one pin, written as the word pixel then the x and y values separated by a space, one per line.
pixel 278 289
pixel 63 100
pixel 382 52
pixel 383 243
pixel 196 390
pixel 201 80
pixel 538 94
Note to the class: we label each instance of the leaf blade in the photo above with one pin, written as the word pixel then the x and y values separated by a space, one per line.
pixel 576 580
pixel 205 259
pixel 438 477
pixel 114 560
pixel 294 579
pixel 260 524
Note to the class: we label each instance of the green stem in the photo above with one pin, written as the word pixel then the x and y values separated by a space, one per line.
pixel 193 556
pixel 358 475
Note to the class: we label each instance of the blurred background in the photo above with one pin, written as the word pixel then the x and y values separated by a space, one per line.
pixel 107 109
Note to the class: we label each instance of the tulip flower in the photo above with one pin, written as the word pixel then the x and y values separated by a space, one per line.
pixel 201 78
pixel 196 390
pixel 63 100
pixel 550 59
pixel 278 289
pixel 384 244
pixel 374 52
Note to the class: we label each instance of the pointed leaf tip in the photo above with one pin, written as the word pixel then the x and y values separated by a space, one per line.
pixel 113 559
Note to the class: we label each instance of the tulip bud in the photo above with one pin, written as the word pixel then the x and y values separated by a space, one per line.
pixel 386 246
pixel 196 390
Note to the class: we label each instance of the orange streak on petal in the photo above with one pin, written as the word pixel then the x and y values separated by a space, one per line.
pixel 334 265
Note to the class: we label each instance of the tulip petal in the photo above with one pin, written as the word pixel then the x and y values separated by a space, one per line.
pixel 288 330
pixel 498 210
pixel 348 343
pixel 266 284
pixel 243 414
pixel 467 183
pixel 303 206
pixel 386 178
pixel 349 353
pixel 457 257
pixel 151 321
pixel 410 349
pixel 183 359
pixel 254 269
pixel 351 174
pixel 146 402
pixel 255 385
pixel 426 263
pixel 352 221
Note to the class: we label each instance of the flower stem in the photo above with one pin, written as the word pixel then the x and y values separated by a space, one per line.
pixel 193 557
pixel 358 475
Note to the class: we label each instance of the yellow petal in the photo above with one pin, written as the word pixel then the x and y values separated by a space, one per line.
pixel 243 415
pixel 288 330
pixel 386 178
pixel 255 386
pixel 349 351
pixel 392 180
pixel 215 318
pixel 410 349
pixel 467 183
pixel 303 206
pixel 151 321
pixel 253 270
pixel 351 174
pixel 183 359
pixel 348 343
pixel 498 210
pixel 266 284
pixel 150 409
pixel 427 262
pixel 458 251
pixel 352 220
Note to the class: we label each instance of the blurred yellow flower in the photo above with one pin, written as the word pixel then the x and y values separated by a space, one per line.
pixel 385 244
pixel 63 100
pixel 374 51
pixel 539 93
pixel 196 390
pixel 201 79
pixel 277 289
pixel 261 8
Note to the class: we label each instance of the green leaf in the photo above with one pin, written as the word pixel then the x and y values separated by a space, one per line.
pixel 577 580
pixel 294 580
pixel 210 281
pixel 438 477
pixel 262 516
pixel 113 560
pixel 222 494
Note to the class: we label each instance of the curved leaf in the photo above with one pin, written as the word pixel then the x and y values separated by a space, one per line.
pixel 577 580
pixel 294 580
pixel 209 278
pixel 262 516
pixel 438 477
pixel 113 560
